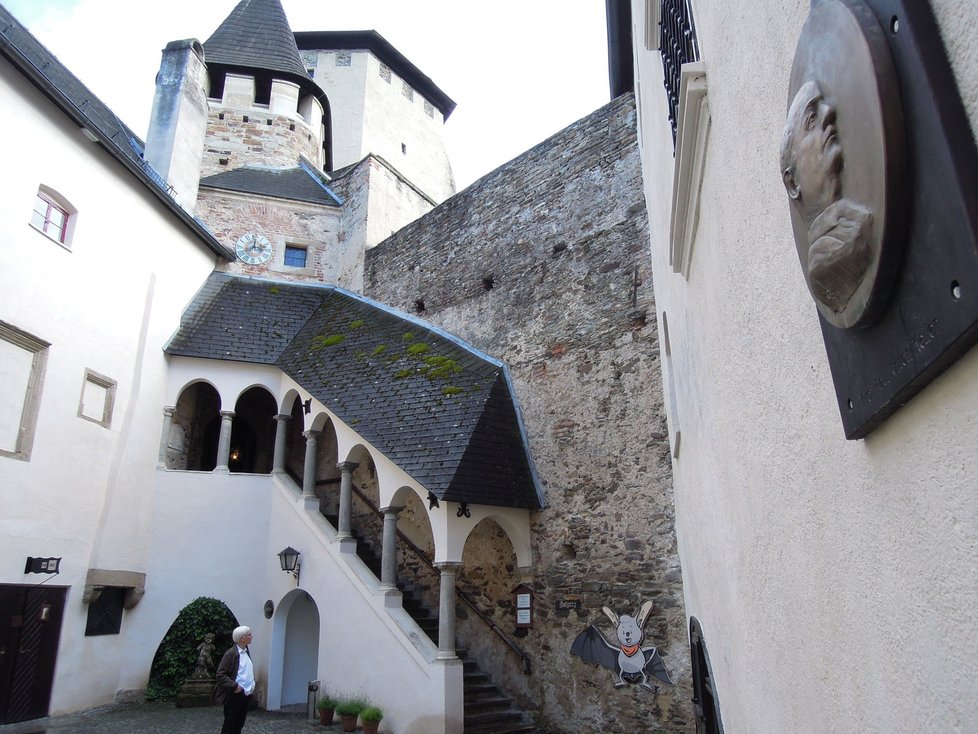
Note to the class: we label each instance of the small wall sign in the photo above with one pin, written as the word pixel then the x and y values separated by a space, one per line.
pixel 523 602
pixel 565 604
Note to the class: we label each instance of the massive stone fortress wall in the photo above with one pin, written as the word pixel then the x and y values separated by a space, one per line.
pixel 544 264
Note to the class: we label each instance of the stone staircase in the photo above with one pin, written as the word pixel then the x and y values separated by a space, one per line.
pixel 487 709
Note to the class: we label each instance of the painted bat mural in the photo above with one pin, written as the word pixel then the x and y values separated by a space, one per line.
pixel 628 660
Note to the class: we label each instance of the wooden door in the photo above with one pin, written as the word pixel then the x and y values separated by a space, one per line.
pixel 30 628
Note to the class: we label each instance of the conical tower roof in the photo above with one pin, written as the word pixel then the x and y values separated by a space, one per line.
pixel 256 35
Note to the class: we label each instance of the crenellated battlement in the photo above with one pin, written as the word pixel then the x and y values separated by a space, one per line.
pixel 270 122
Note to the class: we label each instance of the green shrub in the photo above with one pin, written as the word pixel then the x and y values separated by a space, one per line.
pixel 350 707
pixel 176 657
pixel 326 703
pixel 371 713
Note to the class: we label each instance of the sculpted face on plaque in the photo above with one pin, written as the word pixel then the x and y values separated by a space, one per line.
pixel 839 250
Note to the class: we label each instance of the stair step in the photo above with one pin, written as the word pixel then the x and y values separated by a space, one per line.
pixel 490 696
pixel 493 722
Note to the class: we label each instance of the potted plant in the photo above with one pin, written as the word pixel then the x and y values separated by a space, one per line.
pixel 371 717
pixel 326 705
pixel 349 709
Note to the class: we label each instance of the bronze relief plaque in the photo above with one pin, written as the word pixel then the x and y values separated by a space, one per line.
pixel 877 162
pixel 842 162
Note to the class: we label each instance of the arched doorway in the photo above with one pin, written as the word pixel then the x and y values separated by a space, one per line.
pixel 253 432
pixel 295 650
pixel 706 705
pixel 195 429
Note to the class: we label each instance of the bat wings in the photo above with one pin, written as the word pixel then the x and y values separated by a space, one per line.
pixel 592 647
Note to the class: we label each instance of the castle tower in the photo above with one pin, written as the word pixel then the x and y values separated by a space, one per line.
pixel 383 105
pixel 243 133
pixel 264 108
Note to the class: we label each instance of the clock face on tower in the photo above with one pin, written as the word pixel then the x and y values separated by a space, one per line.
pixel 253 248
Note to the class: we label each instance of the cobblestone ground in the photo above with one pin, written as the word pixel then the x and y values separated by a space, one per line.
pixel 165 718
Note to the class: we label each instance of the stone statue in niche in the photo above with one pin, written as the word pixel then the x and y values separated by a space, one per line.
pixel 842 162
pixel 205 658
pixel 838 237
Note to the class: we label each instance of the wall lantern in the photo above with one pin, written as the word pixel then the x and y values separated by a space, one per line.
pixel 289 560
pixel 42 565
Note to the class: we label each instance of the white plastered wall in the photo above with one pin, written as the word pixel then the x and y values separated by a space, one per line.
pixel 835 580
pixel 371 116
pixel 109 304
pixel 449 531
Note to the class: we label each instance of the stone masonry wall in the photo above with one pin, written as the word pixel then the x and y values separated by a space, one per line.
pixel 235 138
pixel 229 215
pixel 544 264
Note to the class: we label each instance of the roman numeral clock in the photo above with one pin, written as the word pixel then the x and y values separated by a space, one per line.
pixel 253 248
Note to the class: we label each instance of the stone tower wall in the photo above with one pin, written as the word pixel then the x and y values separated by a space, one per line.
pixel 238 137
pixel 544 264
pixel 229 215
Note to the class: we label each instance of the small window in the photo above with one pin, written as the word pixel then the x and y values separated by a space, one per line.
pixel 429 109
pixel 385 73
pixel 22 359
pixel 98 397
pixel 407 91
pixel 295 256
pixel 344 58
pixel 105 613
pixel 53 216
pixel 404 148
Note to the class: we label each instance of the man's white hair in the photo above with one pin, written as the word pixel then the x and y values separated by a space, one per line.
pixel 240 632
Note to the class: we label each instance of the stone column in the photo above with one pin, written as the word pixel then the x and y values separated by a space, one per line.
pixel 224 444
pixel 388 559
pixel 168 412
pixel 346 498
pixel 309 467
pixel 446 610
pixel 278 458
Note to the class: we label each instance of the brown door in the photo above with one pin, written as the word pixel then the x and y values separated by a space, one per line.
pixel 30 627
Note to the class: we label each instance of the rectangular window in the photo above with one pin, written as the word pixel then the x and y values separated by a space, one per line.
pixel 407 91
pixel 429 109
pixel 385 73
pixel 49 218
pixel 295 256
pixel 344 58
pixel 98 397
pixel 105 613
pixel 22 359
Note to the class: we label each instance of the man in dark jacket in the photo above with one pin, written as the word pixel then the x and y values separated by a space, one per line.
pixel 236 681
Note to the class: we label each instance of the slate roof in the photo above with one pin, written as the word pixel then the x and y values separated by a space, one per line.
pixel 297 183
pixel 444 412
pixel 77 101
pixel 256 35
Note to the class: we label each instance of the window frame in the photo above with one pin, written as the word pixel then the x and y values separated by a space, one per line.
pixel 32 396
pixel 289 246
pixel 91 376
pixel 54 201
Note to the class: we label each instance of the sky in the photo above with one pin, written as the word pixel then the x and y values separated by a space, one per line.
pixel 519 70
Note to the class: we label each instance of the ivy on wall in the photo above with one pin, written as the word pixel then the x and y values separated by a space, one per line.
pixel 176 657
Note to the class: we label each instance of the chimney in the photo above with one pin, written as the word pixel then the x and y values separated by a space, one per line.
pixel 175 139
